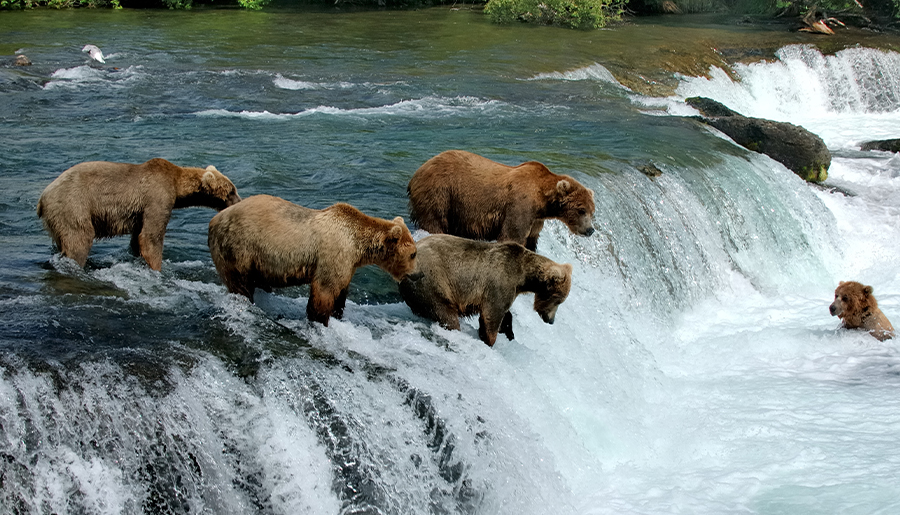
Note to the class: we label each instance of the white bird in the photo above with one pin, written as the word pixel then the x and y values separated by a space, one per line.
pixel 95 53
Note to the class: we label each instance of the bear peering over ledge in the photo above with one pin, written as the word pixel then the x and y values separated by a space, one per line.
pixel 462 277
pixel 857 308
pixel 267 242
pixel 464 194
pixel 101 199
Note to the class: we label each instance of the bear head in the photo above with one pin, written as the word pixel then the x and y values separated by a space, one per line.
pixel 575 206
pixel 556 281
pixel 852 299
pixel 399 252
pixel 218 191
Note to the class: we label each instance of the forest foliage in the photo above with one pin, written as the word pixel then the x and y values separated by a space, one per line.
pixel 578 14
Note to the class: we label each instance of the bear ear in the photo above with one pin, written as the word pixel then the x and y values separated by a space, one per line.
pixel 399 221
pixel 868 290
pixel 211 168
pixel 559 273
pixel 209 178
pixel 395 233
pixel 563 186
pixel 840 283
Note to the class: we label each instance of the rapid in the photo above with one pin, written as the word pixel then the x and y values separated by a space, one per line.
pixel 694 367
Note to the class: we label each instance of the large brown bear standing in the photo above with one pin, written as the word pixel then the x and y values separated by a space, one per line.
pixel 99 199
pixel 464 194
pixel 267 242
pixel 857 308
pixel 463 277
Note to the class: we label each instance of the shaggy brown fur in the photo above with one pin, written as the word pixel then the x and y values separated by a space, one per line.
pixel 267 242
pixel 466 277
pixel 464 194
pixel 855 305
pixel 100 199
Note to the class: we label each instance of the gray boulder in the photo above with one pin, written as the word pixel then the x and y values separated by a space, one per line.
pixel 799 150
pixel 887 145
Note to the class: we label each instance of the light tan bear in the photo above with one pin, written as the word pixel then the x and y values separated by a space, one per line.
pixel 464 194
pixel 100 199
pixel 267 242
pixel 857 308
pixel 463 277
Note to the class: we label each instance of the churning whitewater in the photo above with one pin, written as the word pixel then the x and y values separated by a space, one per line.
pixel 694 367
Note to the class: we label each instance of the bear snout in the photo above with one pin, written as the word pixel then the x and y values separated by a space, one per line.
pixel 834 309
pixel 415 276
pixel 548 317
pixel 589 231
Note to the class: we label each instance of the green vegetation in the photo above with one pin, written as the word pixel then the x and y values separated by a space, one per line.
pixel 577 14
pixel 57 4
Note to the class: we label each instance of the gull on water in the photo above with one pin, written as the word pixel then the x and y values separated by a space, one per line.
pixel 95 53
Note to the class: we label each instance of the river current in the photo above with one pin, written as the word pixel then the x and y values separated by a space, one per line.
pixel 693 369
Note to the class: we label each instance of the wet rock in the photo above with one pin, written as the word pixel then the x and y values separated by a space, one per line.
pixel 887 145
pixel 649 169
pixel 801 151
pixel 22 60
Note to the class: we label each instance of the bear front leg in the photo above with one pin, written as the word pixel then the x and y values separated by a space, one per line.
pixel 506 326
pixel 339 302
pixel 532 239
pixel 321 303
pixel 487 330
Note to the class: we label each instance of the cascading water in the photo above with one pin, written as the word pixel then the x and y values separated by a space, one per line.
pixel 693 369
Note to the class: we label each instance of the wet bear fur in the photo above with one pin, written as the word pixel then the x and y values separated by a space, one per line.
pixel 464 194
pixel 101 199
pixel 463 277
pixel 857 308
pixel 267 242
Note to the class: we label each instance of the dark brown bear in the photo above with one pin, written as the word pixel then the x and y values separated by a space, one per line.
pixel 857 308
pixel 99 199
pixel 464 194
pixel 463 277
pixel 267 242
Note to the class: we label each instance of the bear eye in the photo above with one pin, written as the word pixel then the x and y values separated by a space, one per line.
pixel 412 256
pixel 844 298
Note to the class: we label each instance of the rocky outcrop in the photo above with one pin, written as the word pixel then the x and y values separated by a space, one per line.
pixel 796 148
pixel 887 145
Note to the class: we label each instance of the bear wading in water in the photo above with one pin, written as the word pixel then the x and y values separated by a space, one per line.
pixel 100 199
pixel 464 194
pixel 267 242
pixel 463 277
pixel 857 308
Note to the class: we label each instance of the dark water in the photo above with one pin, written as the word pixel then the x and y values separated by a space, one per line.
pixel 130 391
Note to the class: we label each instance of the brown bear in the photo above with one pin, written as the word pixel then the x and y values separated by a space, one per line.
pixel 465 277
pixel 267 242
pixel 855 305
pixel 100 199
pixel 464 194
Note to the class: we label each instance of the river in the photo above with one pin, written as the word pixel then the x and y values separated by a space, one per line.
pixel 694 368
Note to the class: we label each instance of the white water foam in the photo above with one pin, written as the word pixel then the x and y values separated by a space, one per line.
pixel 428 107
pixel 595 72
pixel 291 84
pixel 81 76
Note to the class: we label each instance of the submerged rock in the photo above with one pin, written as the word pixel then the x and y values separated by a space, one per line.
pixel 801 151
pixel 887 145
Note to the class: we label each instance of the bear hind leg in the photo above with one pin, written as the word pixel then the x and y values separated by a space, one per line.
pixel 76 245
pixel 151 249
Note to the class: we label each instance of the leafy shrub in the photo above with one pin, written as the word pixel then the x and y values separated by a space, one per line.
pixel 577 14
pixel 57 4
